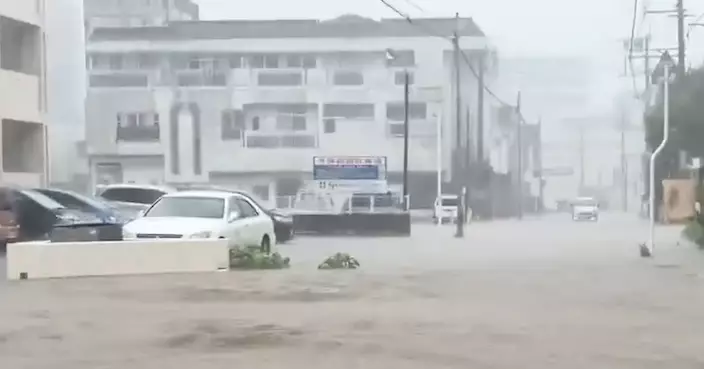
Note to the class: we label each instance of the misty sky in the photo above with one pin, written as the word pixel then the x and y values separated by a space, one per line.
pixel 557 27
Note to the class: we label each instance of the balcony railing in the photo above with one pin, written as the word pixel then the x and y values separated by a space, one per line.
pixel 201 79
pixel 119 80
pixel 274 141
pixel 138 134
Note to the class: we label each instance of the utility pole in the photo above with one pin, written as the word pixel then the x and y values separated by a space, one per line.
pixel 458 150
pixel 406 202
pixel 519 145
pixel 624 169
pixel 581 158
pixel 646 61
pixel 467 162
pixel 480 110
pixel 681 41
pixel 541 194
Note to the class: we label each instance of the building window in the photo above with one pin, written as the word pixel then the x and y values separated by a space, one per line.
pixel 235 61
pixel 294 61
pixel 271 61
pixel 400 78
pixel 396 129
pixel 256 61
pixel 279 79
pixel 232 125
pixel 329 125
pixel 146 61
pixel 290 122
pixel 309 61
pixel 138 127
pixel 403 58
pixel 255 124
pixel 349 111
pixel 132 120
pixel 261 191
pixel 348 79
pixel 395 111
pixel 118 80
pixel 194 64
pixel 116 62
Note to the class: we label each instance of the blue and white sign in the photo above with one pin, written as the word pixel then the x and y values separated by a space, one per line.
pixel 369 168
pixel 350 173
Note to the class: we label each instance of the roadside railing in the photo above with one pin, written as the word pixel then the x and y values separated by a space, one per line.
pixel 343 203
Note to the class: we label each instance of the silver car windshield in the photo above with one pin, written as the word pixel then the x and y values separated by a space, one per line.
pixel 188 207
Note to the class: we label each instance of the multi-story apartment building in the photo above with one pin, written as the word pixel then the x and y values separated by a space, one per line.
pixel 23 103
pixel 251 103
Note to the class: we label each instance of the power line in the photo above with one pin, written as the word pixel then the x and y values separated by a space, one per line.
pixel 415 5
pixel 462 53
pixel 630 46
pixel 411 21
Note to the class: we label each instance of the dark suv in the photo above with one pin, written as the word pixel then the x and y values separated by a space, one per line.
pixel 28 215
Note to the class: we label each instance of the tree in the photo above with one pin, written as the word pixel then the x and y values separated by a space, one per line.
pixel 686 116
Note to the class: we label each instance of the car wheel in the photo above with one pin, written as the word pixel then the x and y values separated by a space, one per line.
pixel 266 245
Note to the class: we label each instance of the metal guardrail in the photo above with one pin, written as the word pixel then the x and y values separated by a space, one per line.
pixel 345 214
pixel 341 203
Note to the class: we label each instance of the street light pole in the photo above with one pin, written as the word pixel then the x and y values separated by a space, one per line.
pixel 391 56
pixel 656 153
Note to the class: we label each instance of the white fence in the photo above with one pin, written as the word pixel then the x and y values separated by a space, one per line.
pixel 34 260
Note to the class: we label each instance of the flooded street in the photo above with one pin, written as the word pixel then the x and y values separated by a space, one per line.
pixel 534 294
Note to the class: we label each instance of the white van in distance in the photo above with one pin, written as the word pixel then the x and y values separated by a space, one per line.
pixel 445 208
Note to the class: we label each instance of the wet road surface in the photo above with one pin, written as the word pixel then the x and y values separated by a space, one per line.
pixel 544 293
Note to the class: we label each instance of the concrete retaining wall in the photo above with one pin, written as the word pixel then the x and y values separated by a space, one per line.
pixel 34 260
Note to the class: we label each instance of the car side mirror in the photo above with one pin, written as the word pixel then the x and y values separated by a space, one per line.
pixel 235 215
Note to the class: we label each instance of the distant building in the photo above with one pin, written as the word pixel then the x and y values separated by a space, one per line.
pixel 66 93
pixel 581 138
pixel 250 103
pixel 23 104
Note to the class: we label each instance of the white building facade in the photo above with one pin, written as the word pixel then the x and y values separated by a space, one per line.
pixel 250 103
pixel 23 105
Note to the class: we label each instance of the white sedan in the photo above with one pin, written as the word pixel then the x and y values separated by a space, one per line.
pixel 205 214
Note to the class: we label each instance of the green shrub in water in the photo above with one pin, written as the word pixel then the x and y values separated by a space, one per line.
pixel 255 259
pixel 694 232
pixel 339 261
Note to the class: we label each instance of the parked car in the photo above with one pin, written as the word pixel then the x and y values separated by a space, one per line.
pixel 73 200
pixel 9 228
pixel 205 214
pixel 34 215
pixel 131 199
pixel 283 223
pixel 585 208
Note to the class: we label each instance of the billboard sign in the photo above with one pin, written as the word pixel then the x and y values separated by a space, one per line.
pixel 349 168
pixel 350 173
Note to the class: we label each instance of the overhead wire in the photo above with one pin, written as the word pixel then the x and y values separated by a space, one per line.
pixel 415 5
pixel 630 46
pixel 465 58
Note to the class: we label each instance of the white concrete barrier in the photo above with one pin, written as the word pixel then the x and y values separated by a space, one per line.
pixel 34 260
